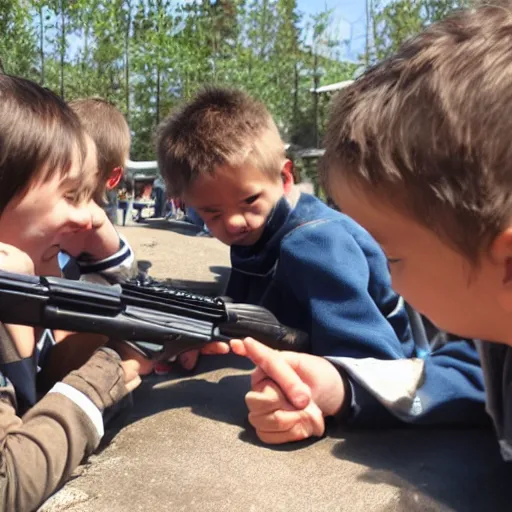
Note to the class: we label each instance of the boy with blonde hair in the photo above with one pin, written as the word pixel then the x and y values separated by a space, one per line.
pixel 316 270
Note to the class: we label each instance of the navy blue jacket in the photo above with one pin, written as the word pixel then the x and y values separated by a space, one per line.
pixel 319 271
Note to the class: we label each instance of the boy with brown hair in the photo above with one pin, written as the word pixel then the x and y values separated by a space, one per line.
pixel 107 126
pixel 101 254
pixel 44 199
pixel 317 271
pixel 418 151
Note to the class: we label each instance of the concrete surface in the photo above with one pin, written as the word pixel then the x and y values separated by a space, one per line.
pixel 186 445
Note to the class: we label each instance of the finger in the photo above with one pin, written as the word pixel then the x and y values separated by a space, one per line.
pixel 311 423
pixel 257 376
pixel 217 347
pixel 266 399
pixel 280 371
pixel 279 420
pixel 133 384
pixel 238 347
pixel 188 360
pixel 131 366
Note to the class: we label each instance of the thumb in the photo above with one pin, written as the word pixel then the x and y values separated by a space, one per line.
pixel 280 371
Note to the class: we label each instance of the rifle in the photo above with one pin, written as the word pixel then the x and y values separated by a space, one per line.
pixel 176 319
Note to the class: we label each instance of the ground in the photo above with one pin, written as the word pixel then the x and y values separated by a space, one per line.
pixel 187 445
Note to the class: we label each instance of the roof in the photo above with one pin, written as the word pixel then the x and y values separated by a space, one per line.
pixel 310 153
pixel 142 169
pixel 332 87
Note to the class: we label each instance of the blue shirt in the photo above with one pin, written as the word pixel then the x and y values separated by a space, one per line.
pixel 319 271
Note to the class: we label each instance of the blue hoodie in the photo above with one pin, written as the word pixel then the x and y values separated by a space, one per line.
pixel 319 271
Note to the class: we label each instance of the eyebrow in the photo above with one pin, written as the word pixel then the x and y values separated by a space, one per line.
pixel 209 209
pixel 214 208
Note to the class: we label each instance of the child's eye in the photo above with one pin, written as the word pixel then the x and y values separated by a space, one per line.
pixel 251 199
pixel 392 261
pixel 71 196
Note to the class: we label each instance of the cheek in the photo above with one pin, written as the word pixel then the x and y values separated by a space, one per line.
pixel 425 294
pixel 408 284
pixel 258 214
pixel 216 228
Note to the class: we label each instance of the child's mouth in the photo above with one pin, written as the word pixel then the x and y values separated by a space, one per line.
pixel 241 237
pixel 50 253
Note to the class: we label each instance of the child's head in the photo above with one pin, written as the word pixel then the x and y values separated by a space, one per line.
pixel 419 151
pixel 222 153
pixel 43 192
pixel 107 126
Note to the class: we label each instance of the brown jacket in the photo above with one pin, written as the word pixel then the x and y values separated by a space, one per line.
pixel 39 451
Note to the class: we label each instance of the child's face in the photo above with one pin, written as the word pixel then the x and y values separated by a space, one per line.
pixel 39 219
pixel 436 280
pixel 235 203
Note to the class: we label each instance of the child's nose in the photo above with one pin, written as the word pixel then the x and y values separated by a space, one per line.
pixel 235 223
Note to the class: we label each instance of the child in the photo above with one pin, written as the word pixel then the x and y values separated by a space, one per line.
pixel 418 151
pixel 107 126
pixel 315 269
pixel 101 254
pixel 43 201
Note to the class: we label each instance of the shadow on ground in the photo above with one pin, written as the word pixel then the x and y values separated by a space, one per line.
pixel 216 287
pixel 459 468
pixel 178 226
pixel 433 469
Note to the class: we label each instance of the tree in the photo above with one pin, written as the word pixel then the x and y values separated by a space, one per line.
pixel 396 21
pixel 18 43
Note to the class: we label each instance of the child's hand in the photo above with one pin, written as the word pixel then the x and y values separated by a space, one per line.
pixel 14 260
pixel 188 360
pixel 131 374
pixel 100 242
pixel 104 378
pixel 291 393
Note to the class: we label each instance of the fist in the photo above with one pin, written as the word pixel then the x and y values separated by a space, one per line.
pixel 291 393
pixel 14 260
pixel 99 242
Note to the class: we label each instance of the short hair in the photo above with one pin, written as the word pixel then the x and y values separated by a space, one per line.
pixel 220 126
pixel 39 136
pixel 430 129
pixel 109 130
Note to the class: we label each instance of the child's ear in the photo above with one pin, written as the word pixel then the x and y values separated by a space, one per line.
pixel 114 178
pixel 287 176
pixel 501 255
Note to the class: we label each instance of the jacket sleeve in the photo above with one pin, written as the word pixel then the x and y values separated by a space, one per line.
pixel 350 330
pixel 443 388
pixel 39 451
pixel 117 268
pixel 325 270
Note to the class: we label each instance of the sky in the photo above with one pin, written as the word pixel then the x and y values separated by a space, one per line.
pixel 348 18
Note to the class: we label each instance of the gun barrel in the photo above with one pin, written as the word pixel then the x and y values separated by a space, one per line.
pixel 159 314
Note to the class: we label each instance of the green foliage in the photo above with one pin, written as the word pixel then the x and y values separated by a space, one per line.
pixel 149 55
pixel 395 21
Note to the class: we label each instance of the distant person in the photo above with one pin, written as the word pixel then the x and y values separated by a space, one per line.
pixel 159 195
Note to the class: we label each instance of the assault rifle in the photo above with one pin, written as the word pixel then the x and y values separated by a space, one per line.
pixel 175 319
